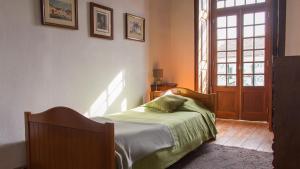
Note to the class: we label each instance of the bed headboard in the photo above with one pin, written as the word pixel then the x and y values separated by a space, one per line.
pixel 209 100
pixel 62 138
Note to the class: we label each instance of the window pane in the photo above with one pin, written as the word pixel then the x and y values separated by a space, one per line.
pixel 231 80
pixel 221 4
pixel 250 1
pixel 221 68
pixel 248 43
pixel 259 80
pixel 248 56
pixel 260 30
pixel 248 68
pixel 248 19
pixel 240 2
pixel 221 22
pixel 260 1
pixel 259 68
pixel 204 4
pixel 221 80
pixel 259 43
pixel 221 34
pixel 232 34
pixel 221 45
pixel 229 3
pixel 248 31
pixel 231 56
pixel 231 44
pixel 231 21
pixel 260 18
pixel 231 69
pixel 221 57
pixel 248 80
pixel 260 55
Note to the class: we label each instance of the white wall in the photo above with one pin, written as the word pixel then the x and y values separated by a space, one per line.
pixel 182 43
pixel 172 40
pixel 42 67
pixel 292 28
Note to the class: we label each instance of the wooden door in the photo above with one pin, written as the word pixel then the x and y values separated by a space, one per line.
pixel 240 55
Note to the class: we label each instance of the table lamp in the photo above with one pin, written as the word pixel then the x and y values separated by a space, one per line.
pixel 158 76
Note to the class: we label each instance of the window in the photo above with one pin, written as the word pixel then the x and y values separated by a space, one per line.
pixel 203 46
pixel 227 50
pixel 254 49
pixel 235 3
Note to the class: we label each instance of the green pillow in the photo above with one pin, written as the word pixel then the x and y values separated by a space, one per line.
pixel 166 103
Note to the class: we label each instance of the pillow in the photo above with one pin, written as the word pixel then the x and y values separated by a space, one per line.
pixel 190 104
pixel 166 103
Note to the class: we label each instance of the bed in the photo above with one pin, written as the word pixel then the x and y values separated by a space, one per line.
pixel 62 138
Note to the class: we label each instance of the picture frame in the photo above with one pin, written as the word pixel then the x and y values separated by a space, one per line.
pixel 134 27
pixel 60 13
pixel 101 21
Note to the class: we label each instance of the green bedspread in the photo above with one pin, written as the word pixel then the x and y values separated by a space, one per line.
pixel 191 126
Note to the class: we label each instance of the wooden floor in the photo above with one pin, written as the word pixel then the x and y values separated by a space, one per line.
pixel 249 135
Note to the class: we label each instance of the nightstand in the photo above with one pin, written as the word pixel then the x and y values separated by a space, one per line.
pixel 159 89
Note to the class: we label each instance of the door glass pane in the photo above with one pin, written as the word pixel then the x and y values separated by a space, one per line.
pixel 231 21
pixel 231 80
pixel 259 68
pixel 260 55
pixel 248 56
pixel 248 31
pixel 259 43
pixel 248 80
pixel 229 3
pixel 248 43
pixel 250 2
pixel 221 68
pixel 260 30
pixel 240 2
pixel 221 4
pixel 260 18
pixel 249 19
pixel 248 68
pixel 221 80
pixel 221 45
pixel 221 34
pixel 221 22
pixel 259 80
pixel 221 58
pixel 231 69
pixel 231 56
pixel 232 34
pixel 231 44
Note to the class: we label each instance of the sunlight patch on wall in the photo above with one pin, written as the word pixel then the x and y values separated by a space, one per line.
pixel 124 105
pixel 108 97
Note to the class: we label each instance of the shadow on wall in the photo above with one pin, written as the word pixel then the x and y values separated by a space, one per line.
pixel 9 153
pixel 108 97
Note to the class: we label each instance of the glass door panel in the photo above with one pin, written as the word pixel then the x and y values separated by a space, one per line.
pixel 254 33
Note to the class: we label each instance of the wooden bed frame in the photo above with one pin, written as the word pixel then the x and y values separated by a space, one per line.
pixel 62 138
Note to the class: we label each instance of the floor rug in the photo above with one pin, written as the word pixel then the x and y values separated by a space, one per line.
pixel 213 156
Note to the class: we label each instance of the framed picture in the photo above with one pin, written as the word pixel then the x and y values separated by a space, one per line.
pixel 60 13
pixel 101 20
pixel 134 27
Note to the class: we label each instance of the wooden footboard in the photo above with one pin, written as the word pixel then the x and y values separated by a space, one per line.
pixel 61 138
